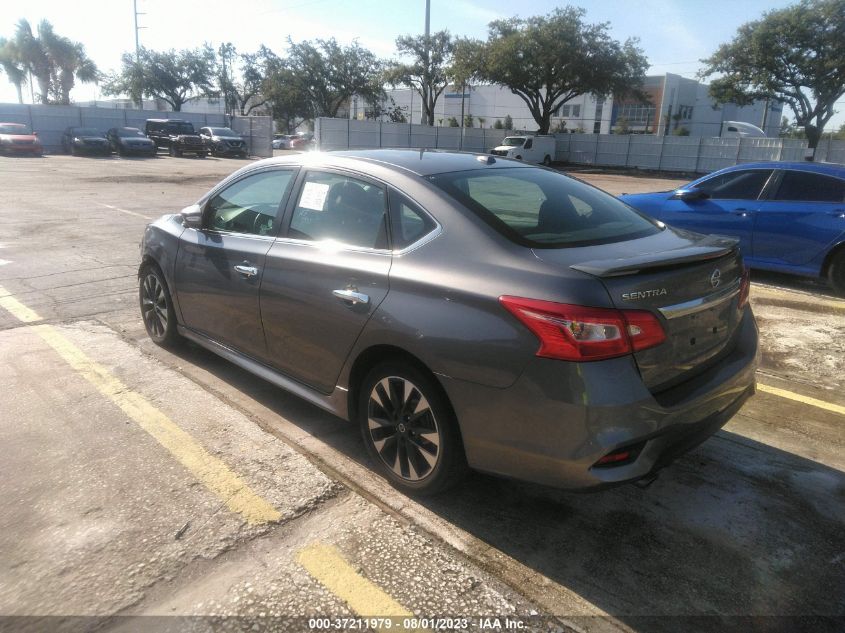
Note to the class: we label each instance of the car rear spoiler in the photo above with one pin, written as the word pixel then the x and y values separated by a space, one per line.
pixel 713 247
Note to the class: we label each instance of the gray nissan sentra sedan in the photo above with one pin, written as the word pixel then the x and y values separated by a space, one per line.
pixel 466 311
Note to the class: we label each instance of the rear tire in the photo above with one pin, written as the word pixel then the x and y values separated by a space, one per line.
pixel 157 307
pixel 409 429
pixel 547 160
pixel 836 273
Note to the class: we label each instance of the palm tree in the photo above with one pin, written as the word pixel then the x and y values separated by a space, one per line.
pixel 56 61
pixel 11 64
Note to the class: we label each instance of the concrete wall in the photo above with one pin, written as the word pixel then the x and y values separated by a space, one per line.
pixel 670 153
pixel 51 120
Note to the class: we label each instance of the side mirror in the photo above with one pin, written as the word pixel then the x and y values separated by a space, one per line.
pixel 690 195
pixel 192 217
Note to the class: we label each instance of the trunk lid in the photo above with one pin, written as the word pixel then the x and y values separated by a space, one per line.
pixel 690 282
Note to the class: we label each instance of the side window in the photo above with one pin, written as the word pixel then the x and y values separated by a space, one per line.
pixel 736 185
pixel 342 209
pixel 408 222
pixel 251 204
pixel 529 143
pixel 809 187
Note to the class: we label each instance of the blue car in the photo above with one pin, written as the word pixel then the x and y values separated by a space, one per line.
pixel 789 217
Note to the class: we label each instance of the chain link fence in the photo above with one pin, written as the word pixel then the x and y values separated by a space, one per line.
pixel 665 153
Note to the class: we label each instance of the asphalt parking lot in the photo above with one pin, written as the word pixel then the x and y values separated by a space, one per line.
pixel 141 482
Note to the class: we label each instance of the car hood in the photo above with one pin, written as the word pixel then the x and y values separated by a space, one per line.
pixel 19 137
pixel 90 138
pixel 504 148
pixel 226 138
pixel 646 201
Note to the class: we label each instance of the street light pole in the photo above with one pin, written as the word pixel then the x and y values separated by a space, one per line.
pixel 138 54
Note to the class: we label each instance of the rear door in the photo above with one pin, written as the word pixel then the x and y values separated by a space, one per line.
pixel 326 276
pixel 804 215
pixel 220 266
pixel 729 208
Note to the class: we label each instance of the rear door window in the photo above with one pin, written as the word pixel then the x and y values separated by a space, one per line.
pixel 408 223
pixel 805 186
pixel 340 208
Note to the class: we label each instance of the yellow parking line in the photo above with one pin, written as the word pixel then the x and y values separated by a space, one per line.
pixel 327 565
pixel 16 308
pixel 209 470
pixel 814 402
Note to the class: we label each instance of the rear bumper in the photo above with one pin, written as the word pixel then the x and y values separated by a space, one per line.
pixel 558 419
pixel 22 149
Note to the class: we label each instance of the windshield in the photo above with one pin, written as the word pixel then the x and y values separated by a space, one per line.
pixel 14 129
pixel 544 209
pixel 129 132
pixel 222 131
pixel 180 128
pixel 513 141
pixel 85 131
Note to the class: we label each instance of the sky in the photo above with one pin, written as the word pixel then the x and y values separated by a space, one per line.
pixel 674 34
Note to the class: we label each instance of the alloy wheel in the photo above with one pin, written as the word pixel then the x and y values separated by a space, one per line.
pixel 154 305
pixel 403 428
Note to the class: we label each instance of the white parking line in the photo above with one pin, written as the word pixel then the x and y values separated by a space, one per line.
pixel 127 211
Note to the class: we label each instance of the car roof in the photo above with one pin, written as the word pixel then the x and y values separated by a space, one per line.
pixel 830 169
pixel 11 123
pixel 422 162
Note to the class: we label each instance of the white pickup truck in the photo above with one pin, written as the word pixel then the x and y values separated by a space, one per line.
pixel 532 149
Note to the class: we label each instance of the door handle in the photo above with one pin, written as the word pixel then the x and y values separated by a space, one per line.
pixel 246 271
pixel 351 295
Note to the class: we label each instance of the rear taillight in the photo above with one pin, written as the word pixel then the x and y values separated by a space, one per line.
pixel 571 332
pixel 744 287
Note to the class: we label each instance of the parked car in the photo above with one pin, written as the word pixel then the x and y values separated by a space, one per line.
pixel 85 140
pixel 788 217
pixel 178 137
pixel 282 141
pixel 17 138
pixel 303 142
pixel 130 140
pixel 532 149
pixel 740 129
pixel 223 141
pixel 464 310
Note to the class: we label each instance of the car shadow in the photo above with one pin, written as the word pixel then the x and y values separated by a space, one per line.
pixel 734 529
pixel 813 285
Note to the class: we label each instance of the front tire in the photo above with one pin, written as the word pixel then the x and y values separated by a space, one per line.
pixel 836 273
pixel 157 307
pixel 409 429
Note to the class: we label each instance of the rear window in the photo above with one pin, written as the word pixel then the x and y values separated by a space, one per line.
pixel 545 209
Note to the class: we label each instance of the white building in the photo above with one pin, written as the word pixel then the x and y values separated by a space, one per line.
pixel 678 105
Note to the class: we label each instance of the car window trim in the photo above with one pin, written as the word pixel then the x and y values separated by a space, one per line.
pixel 294 198
pixel 277 221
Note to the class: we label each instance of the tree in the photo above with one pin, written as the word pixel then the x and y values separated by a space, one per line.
pixel 326 75
pixel 498 125
pixel 453 122
pixel 468 120
pixel 55 61
pixel 241 79
pixel 290 105
pixel 795 55
pixel 172 76
pixel 840 134
pixel 12 65
pixel 508 122
pixel 428 70
pixel 548 60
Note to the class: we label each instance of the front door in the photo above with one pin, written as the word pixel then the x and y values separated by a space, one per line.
pixel 326 276
pixel 728 209
pixel 220 266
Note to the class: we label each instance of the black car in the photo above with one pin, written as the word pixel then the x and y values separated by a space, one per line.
pixel 176 135
pixel 223 141
pixel 130 140
pixel 84 140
